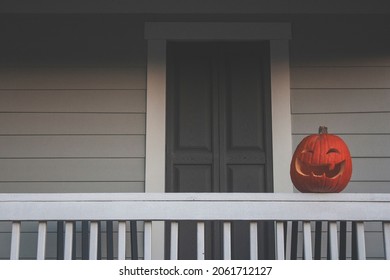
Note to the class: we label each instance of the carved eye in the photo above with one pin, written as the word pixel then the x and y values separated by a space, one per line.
pixel 308 151
pixel 333 151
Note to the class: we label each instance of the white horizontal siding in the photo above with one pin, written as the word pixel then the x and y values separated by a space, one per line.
pixel 60 101
pixel 72 146
pixel 73 78
pixel 340 77
pixel 72 170
pixel 307 101
pixel 77 123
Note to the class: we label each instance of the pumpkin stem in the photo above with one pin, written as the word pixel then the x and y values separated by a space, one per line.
pixel 323 130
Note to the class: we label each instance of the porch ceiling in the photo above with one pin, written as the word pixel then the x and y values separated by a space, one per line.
pixel 197 7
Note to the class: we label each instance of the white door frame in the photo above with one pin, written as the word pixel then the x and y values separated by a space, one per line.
pixel 157 34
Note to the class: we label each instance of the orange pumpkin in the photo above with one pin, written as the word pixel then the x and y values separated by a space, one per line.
pixel 321 163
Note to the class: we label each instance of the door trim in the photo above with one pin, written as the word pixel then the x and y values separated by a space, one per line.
pixel 157 34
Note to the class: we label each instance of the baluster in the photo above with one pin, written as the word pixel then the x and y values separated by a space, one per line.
pixel 280 254
pixel 121 240
pixel 41 246
pixel 200 241
pixel 148 240
pixel 307 250
pixel 93 240
pixel 227 241
pixel 294 240
pixel 110 240
pixel 15 240
pixel 174 240
pixel 133 240
pixel 333 247
pixel 361 243
pixel 253 240
pixel 318 240
pixel 343 240
pixel 68 240
pixel 386 239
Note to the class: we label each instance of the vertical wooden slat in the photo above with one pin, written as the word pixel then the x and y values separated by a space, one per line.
pixel 93 240
pixel 85 240
pixel 99 241
pixel 343 240
pixel 60 240
pixel 174 240
pixel 354 242
pixel 121 240
pixel 74 242
pixel 307 247
pixel 227 240
pixel 41 244
pixel 294 240
pixel 386 239
pixel 200 240
pixel 333 243
pixel 361 242
pixel 133 240
pixel 15 240
pixel 318 240
pixel 253 244
pixel 68 240
pixel 280 253
pixel 110 240
pixel 148 240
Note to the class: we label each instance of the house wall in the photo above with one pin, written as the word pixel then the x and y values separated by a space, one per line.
pixel 72 98
pixel 340 77
pixel 72 105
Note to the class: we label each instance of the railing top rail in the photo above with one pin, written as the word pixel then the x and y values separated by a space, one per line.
pixel 195 206
pixel 363 197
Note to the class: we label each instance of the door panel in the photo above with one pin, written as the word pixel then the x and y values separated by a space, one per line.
pixel 218 131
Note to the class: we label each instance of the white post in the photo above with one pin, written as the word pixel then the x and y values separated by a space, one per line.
pixel 307 248
pixel 68 240
pixel 253 240
pixel 174 240
pixel 148 240
pixel 361 243
pixel 15 240
pixel 334 252
pixel 227 241
pixel 41 246
pixel 93 240
pixel 200 241
pixel 386 239
pixel 122 240
pixel 280 254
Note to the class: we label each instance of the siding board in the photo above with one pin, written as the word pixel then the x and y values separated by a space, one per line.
pixel 76 123
pixel 105 101
pixel 71 187
pixel 371 169
pixel 71 170
pixel 73 146
pixel 72 78
pixel 379 145
pixel 340 101
pixel 340 77
pixel 356 123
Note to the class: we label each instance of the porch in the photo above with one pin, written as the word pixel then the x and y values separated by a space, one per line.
pixel 346 217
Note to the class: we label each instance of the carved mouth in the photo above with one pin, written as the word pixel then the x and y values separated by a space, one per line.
pixel 329 170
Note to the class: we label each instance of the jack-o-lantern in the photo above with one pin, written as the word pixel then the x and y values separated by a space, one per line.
pixel 321 163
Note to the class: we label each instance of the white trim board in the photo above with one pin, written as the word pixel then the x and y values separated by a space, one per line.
pixel 157 34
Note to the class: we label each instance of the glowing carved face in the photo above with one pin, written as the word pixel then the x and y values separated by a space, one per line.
pixel 321 163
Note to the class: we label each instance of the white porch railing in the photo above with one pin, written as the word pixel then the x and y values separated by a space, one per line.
pixel 199 207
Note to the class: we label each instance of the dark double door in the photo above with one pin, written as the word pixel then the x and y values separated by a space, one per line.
pixel 219 132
